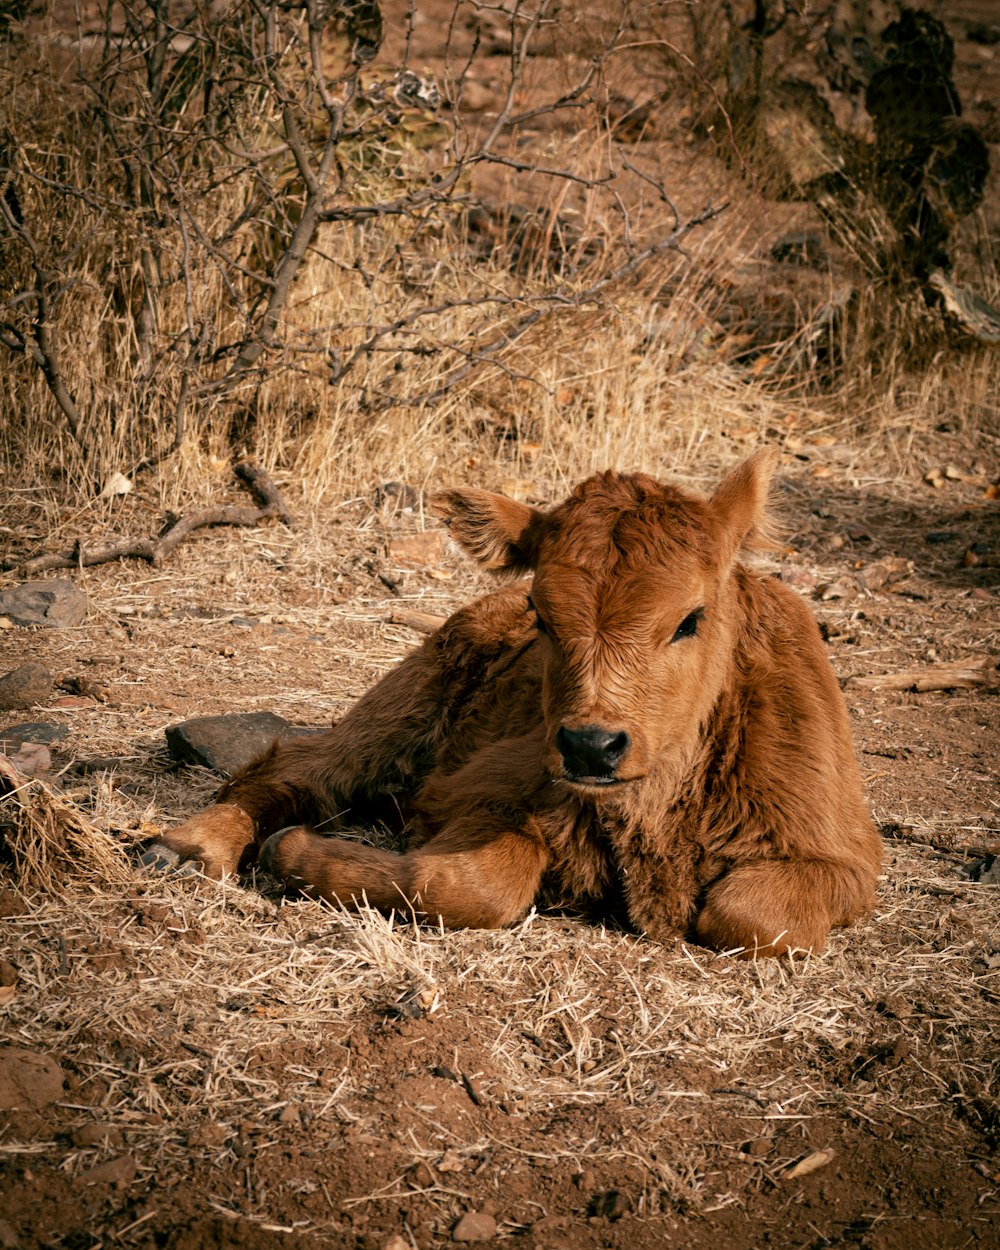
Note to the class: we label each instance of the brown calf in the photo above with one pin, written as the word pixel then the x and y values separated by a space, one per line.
pixel 646 726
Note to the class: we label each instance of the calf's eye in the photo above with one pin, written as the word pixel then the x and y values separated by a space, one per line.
pixel 689 626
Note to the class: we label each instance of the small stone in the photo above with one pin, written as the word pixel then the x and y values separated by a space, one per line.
pixel 37 732
pixel 32 759
pixel 24 686
pixel 98 1135
pixel 475 1226
pixel 290 1115
pixel 211 1134
pixel 57 604
pixel 549 1223
pixel 758 1148
pixel 396 1242
pixel 421 1176
pixel 114 1172
pixel 229 743
pixel 28 1080
pixel 585 1180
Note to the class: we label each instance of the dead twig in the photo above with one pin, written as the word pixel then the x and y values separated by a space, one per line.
pixel 565 298
pixel 155 550
pixel 958 675
pixel 422 622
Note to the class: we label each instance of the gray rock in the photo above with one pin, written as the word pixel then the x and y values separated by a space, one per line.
pixel 229 743
pixel 24 686
pixel 15 736
pixel 986 870
pixel 56 604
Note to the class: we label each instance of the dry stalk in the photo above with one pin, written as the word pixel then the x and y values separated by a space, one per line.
pixel 49 843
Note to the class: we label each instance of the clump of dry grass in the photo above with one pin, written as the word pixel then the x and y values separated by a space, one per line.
pixel 243 1046
pixel 48 842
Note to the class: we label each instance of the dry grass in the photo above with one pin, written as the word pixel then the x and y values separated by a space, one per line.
pixel 143 980
pixel 232 1037
pixel 645 374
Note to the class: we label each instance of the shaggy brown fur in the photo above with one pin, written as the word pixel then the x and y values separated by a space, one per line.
pixel 646 726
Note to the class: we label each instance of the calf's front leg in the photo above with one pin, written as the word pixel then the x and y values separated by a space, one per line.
pixel 380 749
pixel 460 878
pixel 771 907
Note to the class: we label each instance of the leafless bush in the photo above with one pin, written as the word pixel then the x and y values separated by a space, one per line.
pixel 210 211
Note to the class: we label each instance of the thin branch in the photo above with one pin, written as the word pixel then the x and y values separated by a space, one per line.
pixel 574 299
pixel 155 550
pixel 44 351
pixel 529 167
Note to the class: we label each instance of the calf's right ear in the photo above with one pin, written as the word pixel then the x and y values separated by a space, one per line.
pixel 740 504
pixel 501 534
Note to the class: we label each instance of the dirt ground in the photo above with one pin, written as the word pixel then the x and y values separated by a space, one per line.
pixel 236 1069
pixel 187 1064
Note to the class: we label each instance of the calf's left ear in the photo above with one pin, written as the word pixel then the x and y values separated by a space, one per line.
pixel 740 504
pixel 500 533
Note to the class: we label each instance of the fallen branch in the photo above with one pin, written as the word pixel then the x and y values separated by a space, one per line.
pixel 422 622
pixel 156 549
pixel 959 675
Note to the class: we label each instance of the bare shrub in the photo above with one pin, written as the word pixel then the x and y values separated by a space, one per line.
pixel 233 227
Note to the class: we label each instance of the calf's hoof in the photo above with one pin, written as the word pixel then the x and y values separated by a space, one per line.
pixel 158 857
pixel 212 843
pixel 278 862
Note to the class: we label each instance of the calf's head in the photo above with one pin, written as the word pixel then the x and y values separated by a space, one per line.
pixel 635 602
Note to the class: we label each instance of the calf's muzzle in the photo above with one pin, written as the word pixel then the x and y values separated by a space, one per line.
pixel 591 753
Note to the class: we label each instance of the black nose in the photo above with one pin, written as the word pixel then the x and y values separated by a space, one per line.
pixel 591 753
